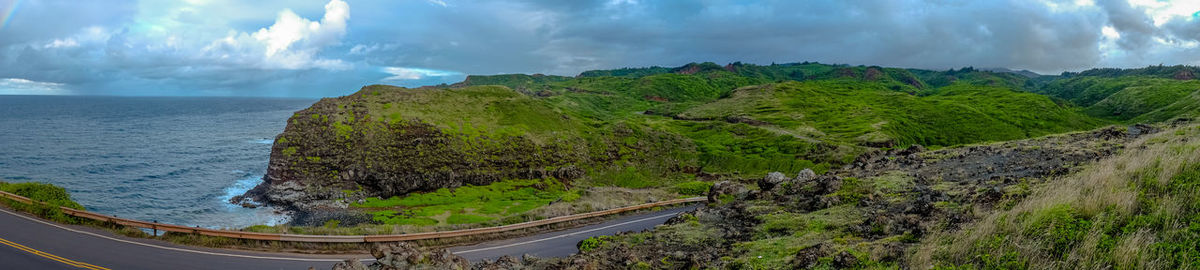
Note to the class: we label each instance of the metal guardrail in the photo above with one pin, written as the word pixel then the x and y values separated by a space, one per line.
pixel 345 238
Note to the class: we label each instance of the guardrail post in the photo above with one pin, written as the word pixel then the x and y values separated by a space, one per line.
pixel 155 228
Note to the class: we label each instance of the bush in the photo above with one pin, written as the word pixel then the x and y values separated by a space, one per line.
pixel 592 243
pixel 52 195
pixel 42 192
pixel 693 188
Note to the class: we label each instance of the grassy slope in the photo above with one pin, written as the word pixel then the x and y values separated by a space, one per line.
pixel 470 204
pixel 1130 98
pixel 477 112
pixel 858 112
pixel 789 144
pixel 477 134
pixel 1138 210
pixel 390 141
pixel 656 127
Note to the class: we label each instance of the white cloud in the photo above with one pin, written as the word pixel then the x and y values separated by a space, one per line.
pixel 407 73
pixel 621 2
pixel 292 42
pixel 18 86
pixel 1110 33
pixel 288 29
pixel 362 49
pixel 437 2
pixel 62 43
pixel 1163 11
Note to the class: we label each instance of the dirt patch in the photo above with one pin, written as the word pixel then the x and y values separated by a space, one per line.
pixel 1184 75
pixel 656 98
pixel 873 74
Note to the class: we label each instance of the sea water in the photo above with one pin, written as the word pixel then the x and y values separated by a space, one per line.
pixel 170 159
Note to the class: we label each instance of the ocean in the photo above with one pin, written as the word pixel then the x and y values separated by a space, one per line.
pixel 176 160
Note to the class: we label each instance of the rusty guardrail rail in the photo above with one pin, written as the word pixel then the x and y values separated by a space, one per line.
pixel 345 238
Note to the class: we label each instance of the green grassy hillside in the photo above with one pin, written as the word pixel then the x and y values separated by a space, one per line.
pixel 868 113
pixel 655 128
pixel 392 141
pixel 1150 94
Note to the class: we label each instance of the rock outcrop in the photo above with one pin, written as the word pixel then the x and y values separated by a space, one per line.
pixel 407 256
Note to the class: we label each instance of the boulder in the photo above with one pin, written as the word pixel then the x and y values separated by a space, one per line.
pixel 1138 130
pixel 771 180
pixel 806 175
pixel 724 188
pixel 404 255
pixel 349 264
pixel 845 260
pixel 503 263
pixel 810 195
pixel 808 257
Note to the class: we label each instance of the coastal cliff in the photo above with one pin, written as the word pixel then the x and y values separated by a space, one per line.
pixel 385 141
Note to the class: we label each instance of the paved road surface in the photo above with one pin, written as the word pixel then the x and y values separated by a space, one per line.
pixel 30 243
pixel 562 243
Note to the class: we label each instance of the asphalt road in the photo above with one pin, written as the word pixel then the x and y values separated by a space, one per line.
pixel 30 243
pixel 562 243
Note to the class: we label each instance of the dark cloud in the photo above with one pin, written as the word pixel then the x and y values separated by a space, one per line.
pixel 1135 26
pixel 566 37
pixel 171 48
pixel 1183 29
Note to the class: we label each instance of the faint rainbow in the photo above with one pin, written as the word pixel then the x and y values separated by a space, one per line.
pixel 7 12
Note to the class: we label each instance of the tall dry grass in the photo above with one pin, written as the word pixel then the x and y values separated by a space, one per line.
pixel 1103 196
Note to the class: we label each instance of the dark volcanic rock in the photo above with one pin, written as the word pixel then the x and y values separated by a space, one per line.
pixel 503 263
pixel 349 264
pixel 771 180
pixel 725 188
pixel 404 255
pixel 318 217
pixel 1141 129
pixel 1009 161
pixel 808 257
pixel 845 260
pixel 807 192
pixel 910 215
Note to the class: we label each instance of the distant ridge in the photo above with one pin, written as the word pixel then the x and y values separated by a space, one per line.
pixel 1023 72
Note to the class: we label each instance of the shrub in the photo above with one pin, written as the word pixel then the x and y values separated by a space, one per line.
pixel 592 243
pixel 693 188
pixel 42 192
pixel 52 195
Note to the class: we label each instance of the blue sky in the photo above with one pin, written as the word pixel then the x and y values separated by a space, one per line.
pixel 334 47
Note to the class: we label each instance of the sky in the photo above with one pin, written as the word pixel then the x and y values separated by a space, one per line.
pixel 334 47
